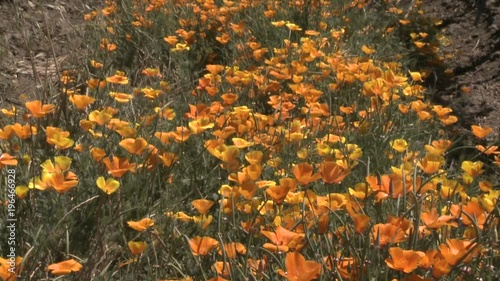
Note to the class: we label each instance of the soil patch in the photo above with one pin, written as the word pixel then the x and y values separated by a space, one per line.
pixel 38 39
pixel 474 89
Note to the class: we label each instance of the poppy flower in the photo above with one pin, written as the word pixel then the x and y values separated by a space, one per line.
pixel 300 269
pixel 404 260
pixel 181 134
pixel 168 158
pixel 455 250
pixel 283 240
pixel 432 220
pixel 481 132
pixel 9 113
pixel 232 249
pixel 202 245
pixel 431 163
pixel 199 125
pixel 141 225
pixel 121 97
pixel 361 222
pixel 137 248
pixel 106 45
pixel 117 167
pixel 332 173
pixel 61 140
pixel 438 147
pixel 100 117
pixel 9 271
pixel 65 267
pixel 254 157
pixel 303 172
pixel 473 169
pixel 202 205
pixel 109 185
pixel 81 101
pixel 214 69
pixel 278 193
pixel 368 50
pixel 39 110
pixel 399 145
pixel 151 72
pixel 383 234
pixel 63 182
pixel 24 131
pixel 7 132
pixel 134 146
pixel 97 153
pixel 7 160
pixel 118 78
pixel 222 268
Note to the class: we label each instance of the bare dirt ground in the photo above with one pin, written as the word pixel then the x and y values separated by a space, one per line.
pixel 37 38
pixel 473 26
pixel 40 37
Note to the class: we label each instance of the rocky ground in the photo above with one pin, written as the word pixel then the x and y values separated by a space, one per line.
pixel 474 31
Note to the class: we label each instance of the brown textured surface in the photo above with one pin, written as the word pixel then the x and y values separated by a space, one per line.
pixel 476 59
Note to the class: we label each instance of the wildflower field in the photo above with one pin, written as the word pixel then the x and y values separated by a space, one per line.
pixel 249 140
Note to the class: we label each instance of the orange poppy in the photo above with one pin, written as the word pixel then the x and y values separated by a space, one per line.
pixel 151 72
pixel 97 153
pixel 332 173
pixel 283 240
pixel 7 132
pixel 199 125
pixel 7 271
pixel 232 249
pixel 61 140
pixel 222 268
pixel 181 134
pixel 278 193
pixel 24 132
pixel 438 147
pixel 151 93
pixel 121 97
pixel 361 222
pixel 481 132
pixel 214 69
pixel 168 158
pixel 63 182
pixel 7 160
pixel 431 219
pixel 404 260
pixel 493 149
pixel 202 245
pixel 81 101
pixel 431 163
pixel 383 234
pixel 457 250
pixel 118 78
pixel 134 146
pixel 65 267
pixel 100 117
pixel 303 172
pixel 137 248
pixel 300 269
pixel 202 205
pixel 109 185
pixel 107 46
pixel 473 169
pixel 38 110
pixel 141 225
pixel 117 167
